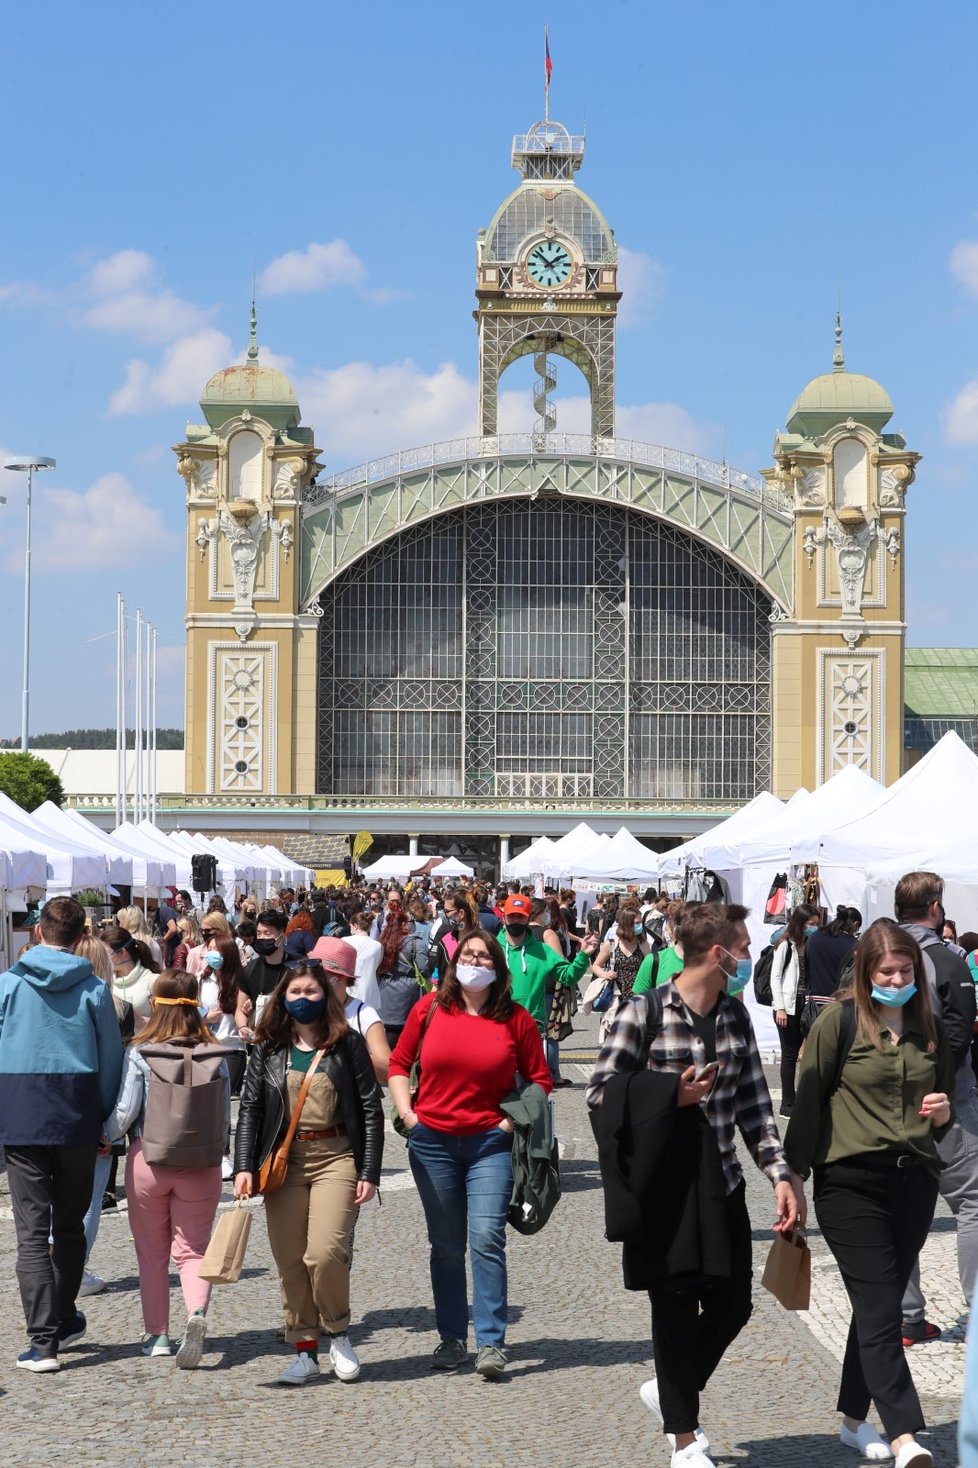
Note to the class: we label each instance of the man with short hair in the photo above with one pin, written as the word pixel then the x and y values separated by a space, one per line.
pixel 918 903
pixel 262 975
pixel 698 1276
pixel 531 963
pixel 60 1067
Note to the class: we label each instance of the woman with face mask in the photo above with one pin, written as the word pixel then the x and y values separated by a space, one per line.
pixel 223 1007
pixel 304 1048
pixel 865 1121
pixel 789 991
pixel 472 1040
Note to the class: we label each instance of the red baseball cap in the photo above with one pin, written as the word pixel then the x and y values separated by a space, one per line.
pixel 517 904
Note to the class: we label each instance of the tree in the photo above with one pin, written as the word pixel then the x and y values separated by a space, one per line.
pixel 29 781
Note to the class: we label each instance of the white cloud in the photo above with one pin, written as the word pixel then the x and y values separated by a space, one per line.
pixel 124 271
pixel 179 378
pixel 640 282
pixel 964 265
pixel 97 527
pixel 128 300
pixel 24 293
pixel 961 418
pixel 316 268
pixel 360 411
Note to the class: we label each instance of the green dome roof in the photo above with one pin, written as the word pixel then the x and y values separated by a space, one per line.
pixel 837 395
pixel 264 391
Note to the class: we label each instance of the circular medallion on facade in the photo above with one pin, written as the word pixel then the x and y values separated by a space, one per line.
pixel 851 685
pixel 242 679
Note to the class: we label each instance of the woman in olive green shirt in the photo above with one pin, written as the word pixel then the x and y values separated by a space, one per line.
pixel 870 1142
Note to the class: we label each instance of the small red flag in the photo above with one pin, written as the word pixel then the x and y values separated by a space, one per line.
pixel 547 63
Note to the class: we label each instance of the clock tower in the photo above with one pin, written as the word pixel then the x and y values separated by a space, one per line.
pixel 546 282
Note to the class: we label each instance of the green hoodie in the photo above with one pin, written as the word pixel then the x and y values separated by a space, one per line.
pixel 529 965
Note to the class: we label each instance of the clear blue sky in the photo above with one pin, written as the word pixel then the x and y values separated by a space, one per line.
pixel 752 160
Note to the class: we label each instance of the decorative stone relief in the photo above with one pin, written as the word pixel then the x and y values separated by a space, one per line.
pixel 893 486
pixel 893 546
pixel 241 693
pixel 244 539
pixel 282 530
pixel 852 550
pixel 288 478
pixel 199 475
pixel 849 731
pixel 811 489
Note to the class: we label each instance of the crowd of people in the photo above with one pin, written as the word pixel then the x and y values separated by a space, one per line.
pixel 132 1041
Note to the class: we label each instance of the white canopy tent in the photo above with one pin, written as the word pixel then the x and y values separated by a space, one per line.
pixel 60 823
pixel 398 867
pixel 70 865
pixel 574 853
pixel 620 858
pixel 530 862
pixel 294 875
pixel 148 873
pixel 25 862
pixel 795 833
pixel 229 874
pixel 451 867
pixel 749 818
pixel 174 863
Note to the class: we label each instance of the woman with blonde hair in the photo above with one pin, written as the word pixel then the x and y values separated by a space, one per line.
pixel 190 937
pixel 171 1208
pixel 213 925
pixel 870 1104
pixel 133 919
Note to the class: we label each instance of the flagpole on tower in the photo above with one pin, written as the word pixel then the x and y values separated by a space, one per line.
pixel 547 69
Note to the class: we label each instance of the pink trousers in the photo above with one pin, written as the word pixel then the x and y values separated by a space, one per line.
pixel 171 1211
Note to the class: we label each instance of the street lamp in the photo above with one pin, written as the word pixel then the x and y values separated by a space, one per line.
pixel 26 464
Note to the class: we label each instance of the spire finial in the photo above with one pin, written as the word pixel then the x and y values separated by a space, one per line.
pixel 838 356
pixel 253 343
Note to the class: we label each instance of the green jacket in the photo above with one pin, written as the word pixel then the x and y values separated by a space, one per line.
pixel 668 966
pixel 536 1179
pixel 529 965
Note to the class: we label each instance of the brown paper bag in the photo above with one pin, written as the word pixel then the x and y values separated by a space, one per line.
pixel 788 1271
pixel 222 1262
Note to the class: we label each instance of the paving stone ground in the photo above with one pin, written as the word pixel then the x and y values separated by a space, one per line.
pixel 579 1342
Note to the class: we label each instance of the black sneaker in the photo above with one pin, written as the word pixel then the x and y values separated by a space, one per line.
pixel 918 1332
pixel 108 1202
pixel 449 1356
pixel 72 1330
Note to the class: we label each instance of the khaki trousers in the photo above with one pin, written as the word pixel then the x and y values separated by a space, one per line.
pixel 309 1220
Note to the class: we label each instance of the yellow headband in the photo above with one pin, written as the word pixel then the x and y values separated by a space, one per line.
pixel 157 999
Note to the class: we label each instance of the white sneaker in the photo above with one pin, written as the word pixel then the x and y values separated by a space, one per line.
pixel 299 1371
pixel 191 1347
pixel 691 1457
pixel 343 1358
pixel 912 1455
pixel 649 1392
pixel 867 1441
pixel 227 1168
pixel 92 1284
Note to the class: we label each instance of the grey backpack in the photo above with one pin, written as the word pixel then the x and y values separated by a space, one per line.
pixel 186 1120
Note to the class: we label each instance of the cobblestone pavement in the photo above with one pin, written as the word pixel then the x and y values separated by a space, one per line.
pixel 579 1342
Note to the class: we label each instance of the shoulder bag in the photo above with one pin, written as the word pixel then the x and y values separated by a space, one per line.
pixel 271 1174
pixel 414 1080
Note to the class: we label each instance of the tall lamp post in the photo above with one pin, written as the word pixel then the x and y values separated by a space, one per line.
pixel 26 464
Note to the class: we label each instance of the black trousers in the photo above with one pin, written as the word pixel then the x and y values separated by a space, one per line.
pixel 875 1219
pixel 790 1038
pixel 692 1327
pixel 50 1190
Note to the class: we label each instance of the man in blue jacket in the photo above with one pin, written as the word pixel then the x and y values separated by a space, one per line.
pixel 60 1066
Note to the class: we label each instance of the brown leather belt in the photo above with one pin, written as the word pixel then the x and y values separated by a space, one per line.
pixel 323 1136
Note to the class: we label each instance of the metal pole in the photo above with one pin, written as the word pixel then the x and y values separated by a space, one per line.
pixel 152 732
pixel 147 781
pixel 119 721
pixel 138 694
pixel 25 705
pixel 124 768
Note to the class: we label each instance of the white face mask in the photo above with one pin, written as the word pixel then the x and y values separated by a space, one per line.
pixel 471 976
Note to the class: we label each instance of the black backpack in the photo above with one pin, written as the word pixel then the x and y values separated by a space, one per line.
pixel 762 976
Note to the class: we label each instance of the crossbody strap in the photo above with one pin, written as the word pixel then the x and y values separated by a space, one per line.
pixel 301 1100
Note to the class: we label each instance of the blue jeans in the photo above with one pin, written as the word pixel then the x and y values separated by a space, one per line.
pixel 103 1166
pixel 465 1185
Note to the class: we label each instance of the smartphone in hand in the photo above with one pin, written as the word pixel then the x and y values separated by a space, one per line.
pixel 706 1072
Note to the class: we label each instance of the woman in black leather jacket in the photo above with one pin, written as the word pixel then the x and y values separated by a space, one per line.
pixel 333 1163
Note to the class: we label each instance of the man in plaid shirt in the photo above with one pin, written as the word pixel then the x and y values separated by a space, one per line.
pixel 704 1026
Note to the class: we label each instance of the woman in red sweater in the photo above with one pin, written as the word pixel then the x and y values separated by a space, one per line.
pixel 472 1039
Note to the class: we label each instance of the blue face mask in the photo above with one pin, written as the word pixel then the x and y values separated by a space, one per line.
pixel 737 981
pixel 812 928
pixel 894 998
pixel 304 1011
pixel 214 960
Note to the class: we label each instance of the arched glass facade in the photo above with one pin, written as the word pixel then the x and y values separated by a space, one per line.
pixel 545 650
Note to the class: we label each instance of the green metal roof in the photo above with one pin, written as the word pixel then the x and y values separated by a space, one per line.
pixel 941 682
pixel 836 396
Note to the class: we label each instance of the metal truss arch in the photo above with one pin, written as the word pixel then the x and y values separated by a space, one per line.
pixel 357 511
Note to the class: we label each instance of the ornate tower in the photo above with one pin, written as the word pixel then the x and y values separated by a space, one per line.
pixel 251 654
pixel 546 281
pixel 838 660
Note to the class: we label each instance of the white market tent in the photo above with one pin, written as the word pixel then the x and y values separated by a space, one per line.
pixel 620 858
pixel 451 867
pixel 574 853
pixel 229 874
pixel 293 874
pixel 530 862
pixel 750 817
pixel 24 861
pixel 61 823
pixel 398 867
pixel 795 834
pixel 70 865
pixel 174 863
pixel 147 871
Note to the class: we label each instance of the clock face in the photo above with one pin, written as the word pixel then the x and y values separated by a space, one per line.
pixel 548 264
